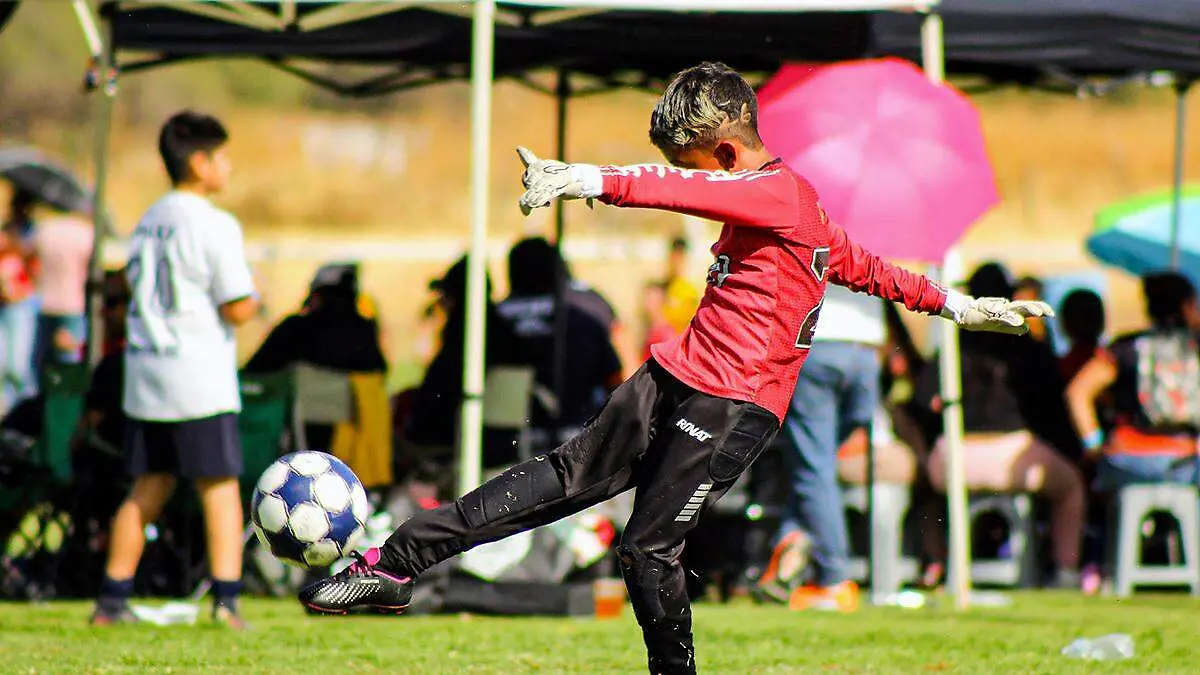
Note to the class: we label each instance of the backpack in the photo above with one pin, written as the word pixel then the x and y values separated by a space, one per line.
pixel 1168 378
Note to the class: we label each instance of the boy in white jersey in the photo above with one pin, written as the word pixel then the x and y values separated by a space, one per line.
pixel 190 286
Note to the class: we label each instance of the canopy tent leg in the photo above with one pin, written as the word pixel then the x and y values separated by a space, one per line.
pixel 562 94
pixel 103 76
pixel 933 61
pixel 1182 85
pixel 470 451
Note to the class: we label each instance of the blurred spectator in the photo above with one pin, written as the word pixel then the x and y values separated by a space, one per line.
pixel 1031 288
pixel 683 288
pixel 1147 385
pixel 63 245
pixel 658 329
pixel 895 461
pixel 592 366
pixel 103 422
pixel 432 422
pixel 837 394
pixel 1154 378
pixel 1082 319
pixel 18 300
pixel 331 332
pixel 1013 414
pixel 328 331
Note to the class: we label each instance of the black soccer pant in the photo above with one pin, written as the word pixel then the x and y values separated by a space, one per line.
pixel 680 448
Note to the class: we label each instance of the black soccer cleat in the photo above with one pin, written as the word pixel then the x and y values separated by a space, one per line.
pixel 112 613
pixel 359 585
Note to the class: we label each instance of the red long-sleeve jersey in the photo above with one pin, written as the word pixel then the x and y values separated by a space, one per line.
pixel 777 251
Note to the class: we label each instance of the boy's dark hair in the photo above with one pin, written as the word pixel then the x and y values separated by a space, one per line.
pixel 533 266
pixel 702 105
pixel 1082 315
pixel 1166 293
pixel 990 280
pixel 185 134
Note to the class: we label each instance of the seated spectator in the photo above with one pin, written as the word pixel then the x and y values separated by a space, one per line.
pixel 432 423
pixel 327 332
pixel 592 365
pixel 1013 414
pixel 331 332
pixel 895 461
pixel 1082 317
pixel 1154 379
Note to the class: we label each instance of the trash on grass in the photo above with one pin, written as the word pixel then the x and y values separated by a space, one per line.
pixel 1115 647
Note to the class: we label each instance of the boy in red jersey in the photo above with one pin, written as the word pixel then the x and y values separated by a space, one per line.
pixel 707 403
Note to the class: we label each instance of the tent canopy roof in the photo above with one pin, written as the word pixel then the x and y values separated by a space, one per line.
pixel 430 40
pixel 1108 37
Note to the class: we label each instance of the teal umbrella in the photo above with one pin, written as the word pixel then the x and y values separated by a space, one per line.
pixel 1139 235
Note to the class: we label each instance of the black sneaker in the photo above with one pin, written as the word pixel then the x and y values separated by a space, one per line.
pixel 112 613
pixel 359 585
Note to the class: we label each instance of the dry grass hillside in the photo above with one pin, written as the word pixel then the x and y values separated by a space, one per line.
pixel 387 181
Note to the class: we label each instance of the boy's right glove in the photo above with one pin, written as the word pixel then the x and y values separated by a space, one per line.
pixel 995 315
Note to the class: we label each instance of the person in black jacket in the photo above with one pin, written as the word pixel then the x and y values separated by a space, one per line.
pixel 433 419
pixel 327 332
pixel 1018 435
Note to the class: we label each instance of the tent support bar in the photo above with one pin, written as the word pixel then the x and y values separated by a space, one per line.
pixel 562 96
pixel 105 76
pixel 91 32
pixel 933 61
pixel 234 13
pixel 553 16
pixel 1182 85
pixel 471 426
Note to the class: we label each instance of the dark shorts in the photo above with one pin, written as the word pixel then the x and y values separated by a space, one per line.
pixel 209 447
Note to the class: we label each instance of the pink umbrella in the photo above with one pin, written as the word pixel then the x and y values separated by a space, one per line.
pixel 899 161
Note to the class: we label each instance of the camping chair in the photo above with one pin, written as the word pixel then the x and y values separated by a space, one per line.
pixel 64 387
pixel 507 396
pixel 321 396
pixel 262 423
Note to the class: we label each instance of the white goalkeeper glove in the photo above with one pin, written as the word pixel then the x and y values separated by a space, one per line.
pixel 547 180
pixel 996 315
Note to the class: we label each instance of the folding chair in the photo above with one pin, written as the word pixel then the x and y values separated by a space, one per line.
pixel 321 396
pixel 507 397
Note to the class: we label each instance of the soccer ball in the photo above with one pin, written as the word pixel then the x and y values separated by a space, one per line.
pixel 309 509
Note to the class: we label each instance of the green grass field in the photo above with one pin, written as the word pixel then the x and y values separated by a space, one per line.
pixel 1024 638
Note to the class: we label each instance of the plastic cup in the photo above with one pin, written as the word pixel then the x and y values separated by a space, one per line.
pixel 610 598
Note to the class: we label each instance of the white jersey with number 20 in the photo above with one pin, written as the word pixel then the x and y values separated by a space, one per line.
pixel 186 259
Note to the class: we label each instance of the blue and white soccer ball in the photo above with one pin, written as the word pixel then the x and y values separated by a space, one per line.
pixel 309 509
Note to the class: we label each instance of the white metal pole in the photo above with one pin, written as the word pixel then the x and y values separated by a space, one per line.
pixel 106 85
pixel 1181 92
pixel 933 60
pixel 470 451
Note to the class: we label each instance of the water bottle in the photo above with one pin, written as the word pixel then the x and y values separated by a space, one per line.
pixel 1115 647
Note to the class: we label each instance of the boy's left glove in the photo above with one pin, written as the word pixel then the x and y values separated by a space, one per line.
pixel 547 180
pixel 996 315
